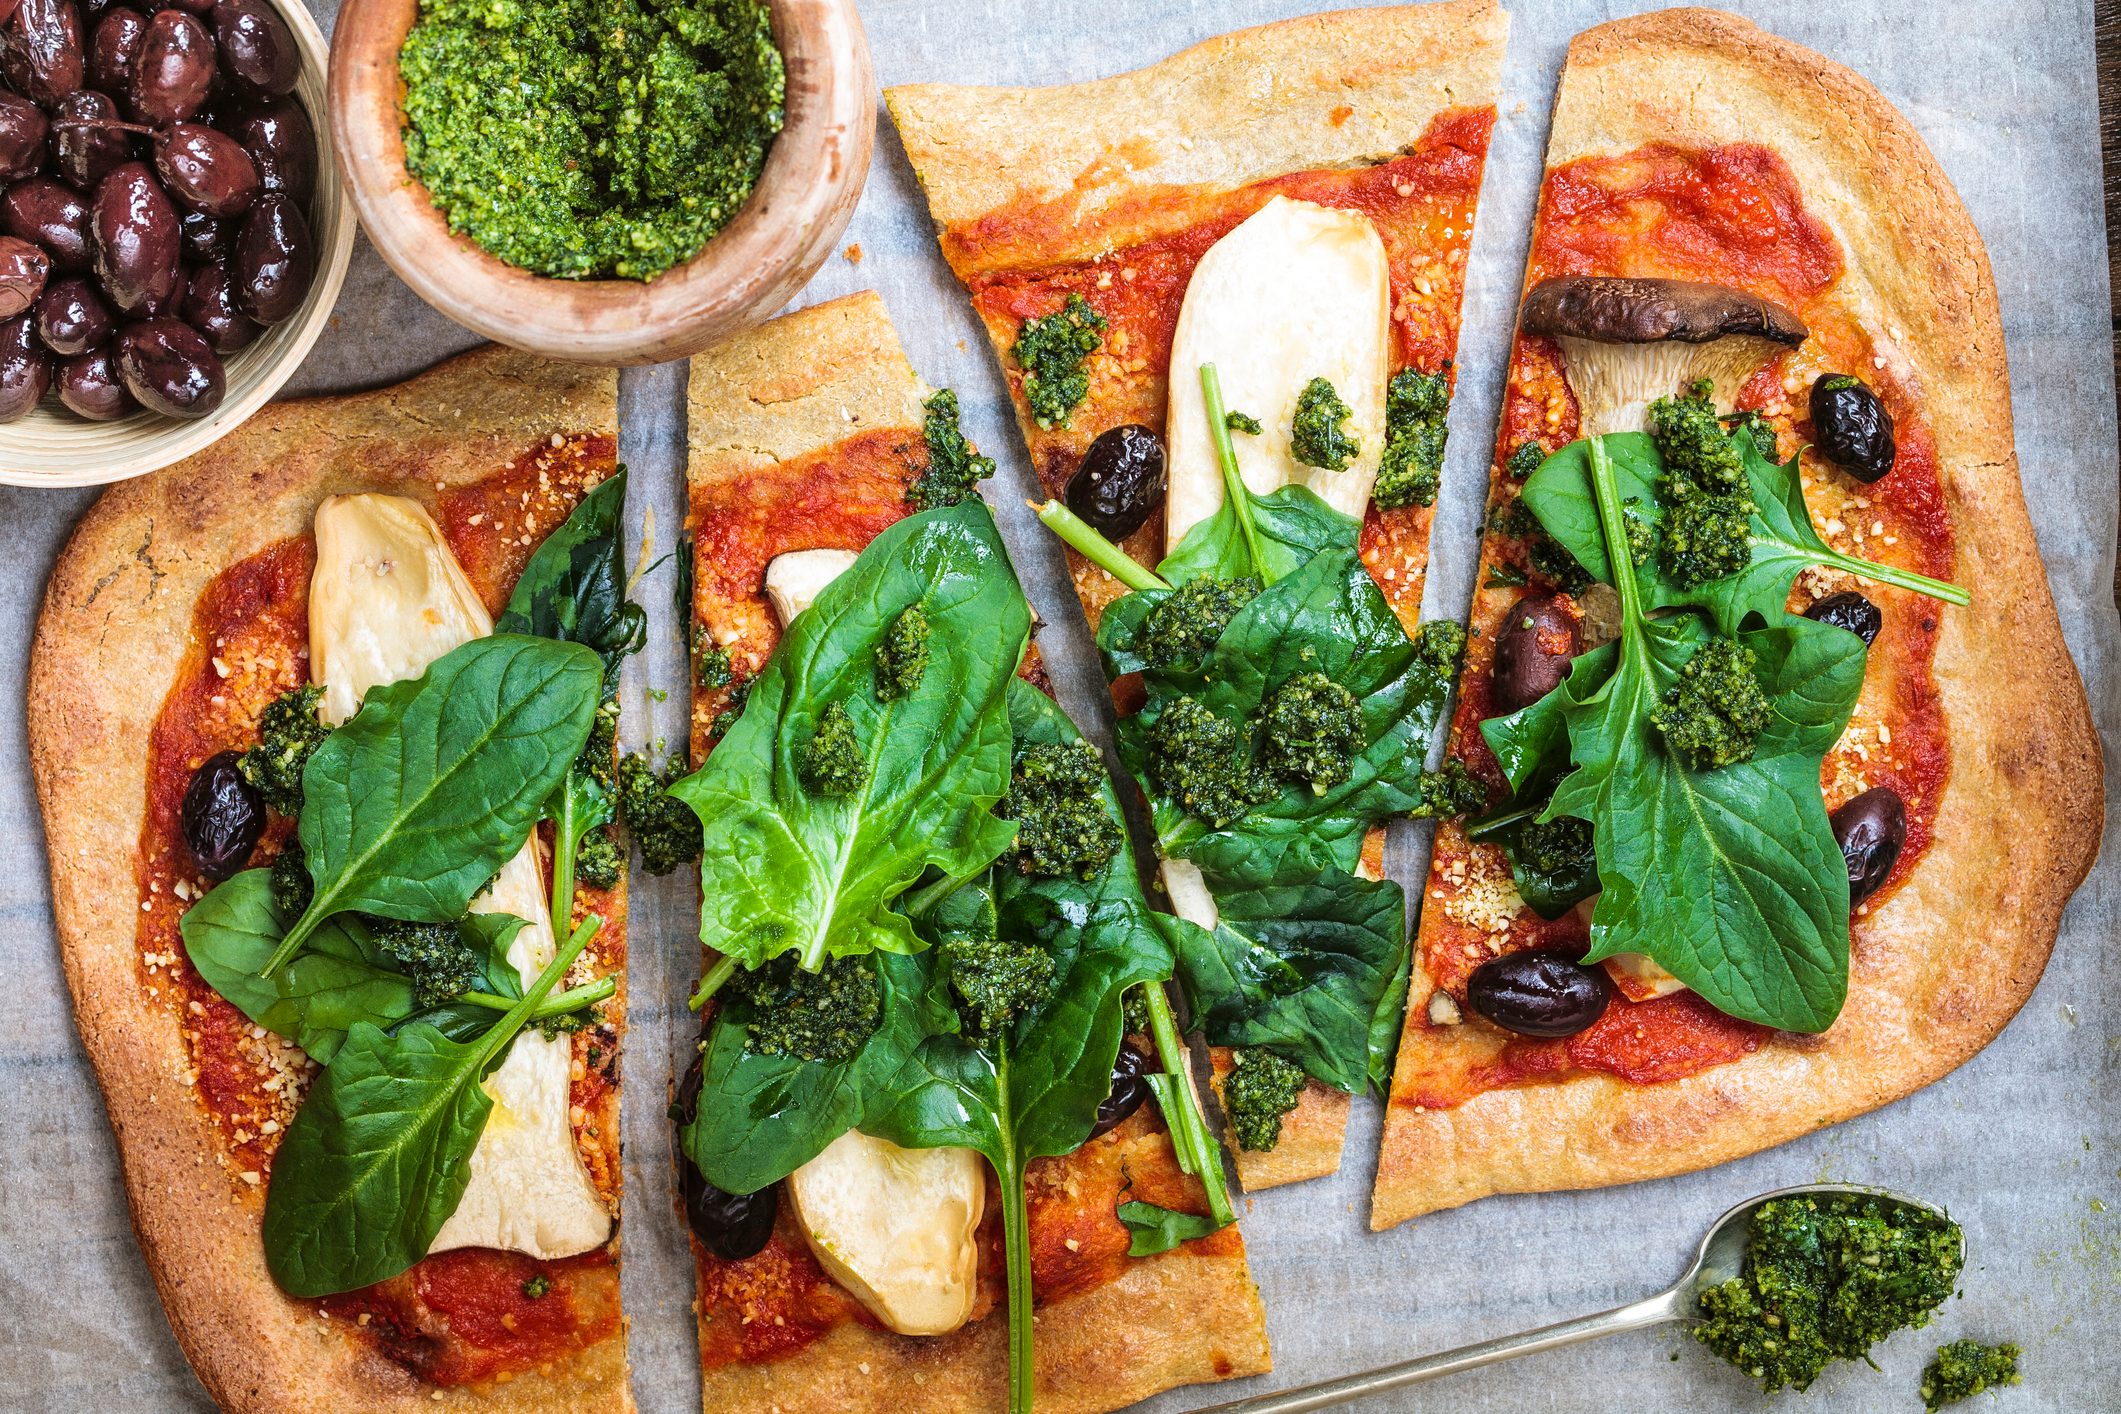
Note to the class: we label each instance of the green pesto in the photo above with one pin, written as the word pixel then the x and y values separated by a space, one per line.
pixel 1504 577
pixel 1052 350
pixel 590 138
pixel 1310 732
pixel 1825 1278
pixel 1642 536
pixel 1964 1369
pixel 600 754
pixel 1242 422
pixel 1315 438
pixel 432 956
pixel 903 655
pixel 1716 711
pixel 711 665
pixel 1524 459
pixel 1440 646
pixel 1186 624
pixel 826 1015
pixel 1416 404
pixel 1559 848
pixel 538 1287
pixel 568 1022
pixel 600 859
pixel 288 732
pixel 292 888
pixel 664 829
pixel 739 693
pixel 1696 449
pixel 1753 425
pixel 1204 762
pixel 1260 1089
pixel 1707 524
pixel 996 981
pixel 1056 796
pixel 954 468
pixel 1546 555
pixel 1450 791
pixel 832 762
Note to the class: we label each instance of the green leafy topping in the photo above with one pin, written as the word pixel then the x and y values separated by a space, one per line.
pixel 711 667
pixel 1315 438
pixel 1203 762
pixel 432 957
pixel 1548 557
pixel 289 732
pixel 832 762
pixel 1310 729
pixel 664 829
pixel 1825 1278
pixel 1504 577
pixel 1553 864
pixel 1260 1089
pixel 1237 422
pixel 1966 1368
pixel 574 588
pixel 1524 459
pixel 1715 711
pixel 903 655
pixel 1450 791
pixel 954 469
pixel 1052 350
pixel 996 982
pixel 1185 624
pixel 291 888
pixel 1056 797
pixel 827 1015
pixel 1416 405
pixel 1157 1229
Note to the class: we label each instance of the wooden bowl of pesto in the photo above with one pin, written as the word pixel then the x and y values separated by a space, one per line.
pixel 521 185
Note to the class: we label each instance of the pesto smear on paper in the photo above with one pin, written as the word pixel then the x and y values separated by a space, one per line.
pixel 590 138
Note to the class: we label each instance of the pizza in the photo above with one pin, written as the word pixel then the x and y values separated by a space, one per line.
pixel 1292 203
pixel 1732 228
pixel 860 1273
pixel 343 545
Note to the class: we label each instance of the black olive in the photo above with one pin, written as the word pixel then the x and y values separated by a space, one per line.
pixel 732 1226
pixel 223 816
pixel 1130 1088
pixel 1533 649
pixel 1537 993
pixel 1851 611
pixel 1851 427
pixel 1121 481
pixel 1871 829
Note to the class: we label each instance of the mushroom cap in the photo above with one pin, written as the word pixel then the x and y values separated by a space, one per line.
pixel 1617 309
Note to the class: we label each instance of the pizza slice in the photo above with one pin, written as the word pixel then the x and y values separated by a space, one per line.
pixel 321 727
pixel 1762 841
pixel 919 1106
pixel 1290 206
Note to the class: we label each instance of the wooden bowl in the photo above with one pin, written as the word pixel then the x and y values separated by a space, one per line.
pixel 802 203
pixel 52 447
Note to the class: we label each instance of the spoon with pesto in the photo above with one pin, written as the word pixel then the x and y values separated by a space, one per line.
pixel 1784 1285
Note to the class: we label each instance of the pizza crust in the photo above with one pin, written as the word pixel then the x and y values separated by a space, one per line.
pixel 116 622
pixel 1948 958
pixel 788 390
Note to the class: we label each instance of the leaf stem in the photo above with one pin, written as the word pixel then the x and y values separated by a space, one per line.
pixel 1198 1153
pixel 1240 496
pixel 1084 539
pixel 558 1004
pixel 504 1030
pixel 1016 1239
pixel 721 972
pixel 1904 579
pixel 923 900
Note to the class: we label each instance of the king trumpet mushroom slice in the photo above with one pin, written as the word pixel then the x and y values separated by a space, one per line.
pixel 795 579
pixel 898 1228
pixel 1626 342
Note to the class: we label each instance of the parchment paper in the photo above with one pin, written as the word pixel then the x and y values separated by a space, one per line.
pixel 2023 1143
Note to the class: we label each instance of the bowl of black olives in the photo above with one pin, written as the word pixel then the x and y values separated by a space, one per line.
pixel 173 229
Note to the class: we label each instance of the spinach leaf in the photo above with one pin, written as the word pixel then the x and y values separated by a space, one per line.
pixel 1159 1229
pixel 574 588
pixel 410 807
pixel 784 870
pixel 1290 525
pixel 1532 743
pixel 1304 969
pixel 1549 890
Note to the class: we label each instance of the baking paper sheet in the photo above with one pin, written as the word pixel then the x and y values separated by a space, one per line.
pixel 2023 1143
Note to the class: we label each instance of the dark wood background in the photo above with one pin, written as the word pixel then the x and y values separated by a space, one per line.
pixel 2107 23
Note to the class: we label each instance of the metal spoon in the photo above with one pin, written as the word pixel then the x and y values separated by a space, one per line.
pixel 1722 1254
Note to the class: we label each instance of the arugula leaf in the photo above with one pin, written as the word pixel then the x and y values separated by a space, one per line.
pixel 784 870
pixel 1304 969
pixel 574 588
pixel 1159 1229
pixel 413 805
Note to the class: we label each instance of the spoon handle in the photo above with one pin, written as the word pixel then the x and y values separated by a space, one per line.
pixel 1654 1310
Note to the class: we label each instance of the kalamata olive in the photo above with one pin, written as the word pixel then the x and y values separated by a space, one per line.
pixel 89 385
pixel 1120 482
pixel 205 237
pixel 173 70
pixel 282 143
pixel 71 319
pixel 170 368
pixel 1851 611
pixel 732 1226
pixel 50 214
pixel 1130 1088
pixel 113 48
pixel 23 129
pixel 134 230
pixel 42 54
pixel 257 49
pixel 1851 427
pixel 23 271
pixel 87 144
pixel 1539 993
pixel 274 260
pixel 25 369
pixel 1533 649
pixel 1871 829
pixel 222 817
pixel 206 170
pixel 209 305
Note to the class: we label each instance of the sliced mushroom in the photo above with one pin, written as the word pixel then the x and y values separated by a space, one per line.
pixel 1627 342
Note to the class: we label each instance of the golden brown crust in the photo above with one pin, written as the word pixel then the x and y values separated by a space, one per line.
pixel 789 389
pixel 1949 957
pixel 113 632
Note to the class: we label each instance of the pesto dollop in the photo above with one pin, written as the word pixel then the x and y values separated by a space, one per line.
pixel 590 138
pixel 1964 1369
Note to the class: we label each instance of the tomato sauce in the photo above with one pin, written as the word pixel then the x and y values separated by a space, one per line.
pixel 249 644
pixel 1729 215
